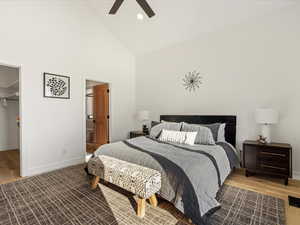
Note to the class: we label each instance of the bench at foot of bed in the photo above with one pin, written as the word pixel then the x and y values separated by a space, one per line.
pixel 141 181
pixel 141 202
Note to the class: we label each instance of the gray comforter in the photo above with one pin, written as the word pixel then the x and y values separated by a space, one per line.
pixel 191 175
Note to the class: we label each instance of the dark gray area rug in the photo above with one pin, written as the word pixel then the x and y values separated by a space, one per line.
pixel 64 197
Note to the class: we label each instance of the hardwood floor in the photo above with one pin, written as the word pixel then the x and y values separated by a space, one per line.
pixel 9 166
pixel 9 171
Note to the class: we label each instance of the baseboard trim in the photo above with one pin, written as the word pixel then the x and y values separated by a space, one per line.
pixel 54 166
pixel 296 175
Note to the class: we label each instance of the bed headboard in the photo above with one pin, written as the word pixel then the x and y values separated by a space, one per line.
pixel 230 130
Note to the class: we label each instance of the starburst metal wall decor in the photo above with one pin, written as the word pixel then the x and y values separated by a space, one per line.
pixel 192 81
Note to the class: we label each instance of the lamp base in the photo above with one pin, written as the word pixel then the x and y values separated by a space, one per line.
pixel 265 132
pixel 145 130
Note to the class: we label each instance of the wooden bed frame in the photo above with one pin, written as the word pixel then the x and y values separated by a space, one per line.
pixel 230 129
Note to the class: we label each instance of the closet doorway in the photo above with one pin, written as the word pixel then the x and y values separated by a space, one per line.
pixel 97 115
pixel 9 124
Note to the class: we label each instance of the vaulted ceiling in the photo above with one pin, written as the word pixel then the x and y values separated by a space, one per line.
pixel 178 20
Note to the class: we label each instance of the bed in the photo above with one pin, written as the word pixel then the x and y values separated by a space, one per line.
pixel 191 174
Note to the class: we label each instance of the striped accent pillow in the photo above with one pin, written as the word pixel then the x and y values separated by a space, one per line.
pixel 204 134
pixel 180 137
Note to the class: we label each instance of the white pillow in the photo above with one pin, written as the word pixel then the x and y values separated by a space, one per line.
pixel 190 138
pixel 180 137
pixel 221 133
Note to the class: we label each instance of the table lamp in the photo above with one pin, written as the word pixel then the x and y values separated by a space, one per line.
pixel 143 116
pixel 266 117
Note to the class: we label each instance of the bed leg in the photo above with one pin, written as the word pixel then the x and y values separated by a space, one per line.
pixel 153 200
pixel 141 207
pixel 95 182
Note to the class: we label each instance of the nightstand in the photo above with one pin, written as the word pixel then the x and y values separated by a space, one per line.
pixel 274 159
pixel 134 134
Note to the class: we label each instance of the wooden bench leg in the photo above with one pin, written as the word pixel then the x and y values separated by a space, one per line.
pixel 141 207
pixel 95 182
pixel 153 200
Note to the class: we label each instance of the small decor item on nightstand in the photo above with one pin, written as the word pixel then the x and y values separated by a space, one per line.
pixel 56 86
pixel 143 116
pixel 262 140
pixel 266 117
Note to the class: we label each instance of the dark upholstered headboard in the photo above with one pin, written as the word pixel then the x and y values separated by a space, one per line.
pixel 230 130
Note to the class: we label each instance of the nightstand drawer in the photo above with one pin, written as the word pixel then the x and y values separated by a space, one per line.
pixel 279 161
pixel 273 168
pixel 268 154
pixel 274 152
pixel 271 156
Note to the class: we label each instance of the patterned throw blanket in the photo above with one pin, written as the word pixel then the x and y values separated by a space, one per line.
pixel 191 175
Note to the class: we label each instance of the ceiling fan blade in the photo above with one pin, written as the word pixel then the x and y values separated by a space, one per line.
pixel 146 7
pixel 116 6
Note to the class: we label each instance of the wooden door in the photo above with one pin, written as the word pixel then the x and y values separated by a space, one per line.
pixel 101 113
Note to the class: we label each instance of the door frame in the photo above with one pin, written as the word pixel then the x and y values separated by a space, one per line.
pixel 23 154
pixel 84 111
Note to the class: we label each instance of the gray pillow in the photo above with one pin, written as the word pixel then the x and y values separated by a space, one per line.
pixel 154 123
pixel 218 130
pixel 156 129
pixel 204 135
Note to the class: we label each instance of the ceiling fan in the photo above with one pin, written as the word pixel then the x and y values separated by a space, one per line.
pixel 143 3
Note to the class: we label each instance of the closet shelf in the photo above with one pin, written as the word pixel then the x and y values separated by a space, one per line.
pixel 13 96
pixel 14 84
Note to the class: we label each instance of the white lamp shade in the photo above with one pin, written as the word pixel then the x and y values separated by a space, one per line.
pixel 143 115
pixel 267 116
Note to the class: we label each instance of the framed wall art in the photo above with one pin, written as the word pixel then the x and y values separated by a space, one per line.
pixel 56 86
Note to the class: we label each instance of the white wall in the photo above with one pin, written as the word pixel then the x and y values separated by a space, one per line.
pixel 63 37
pixel 246 67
